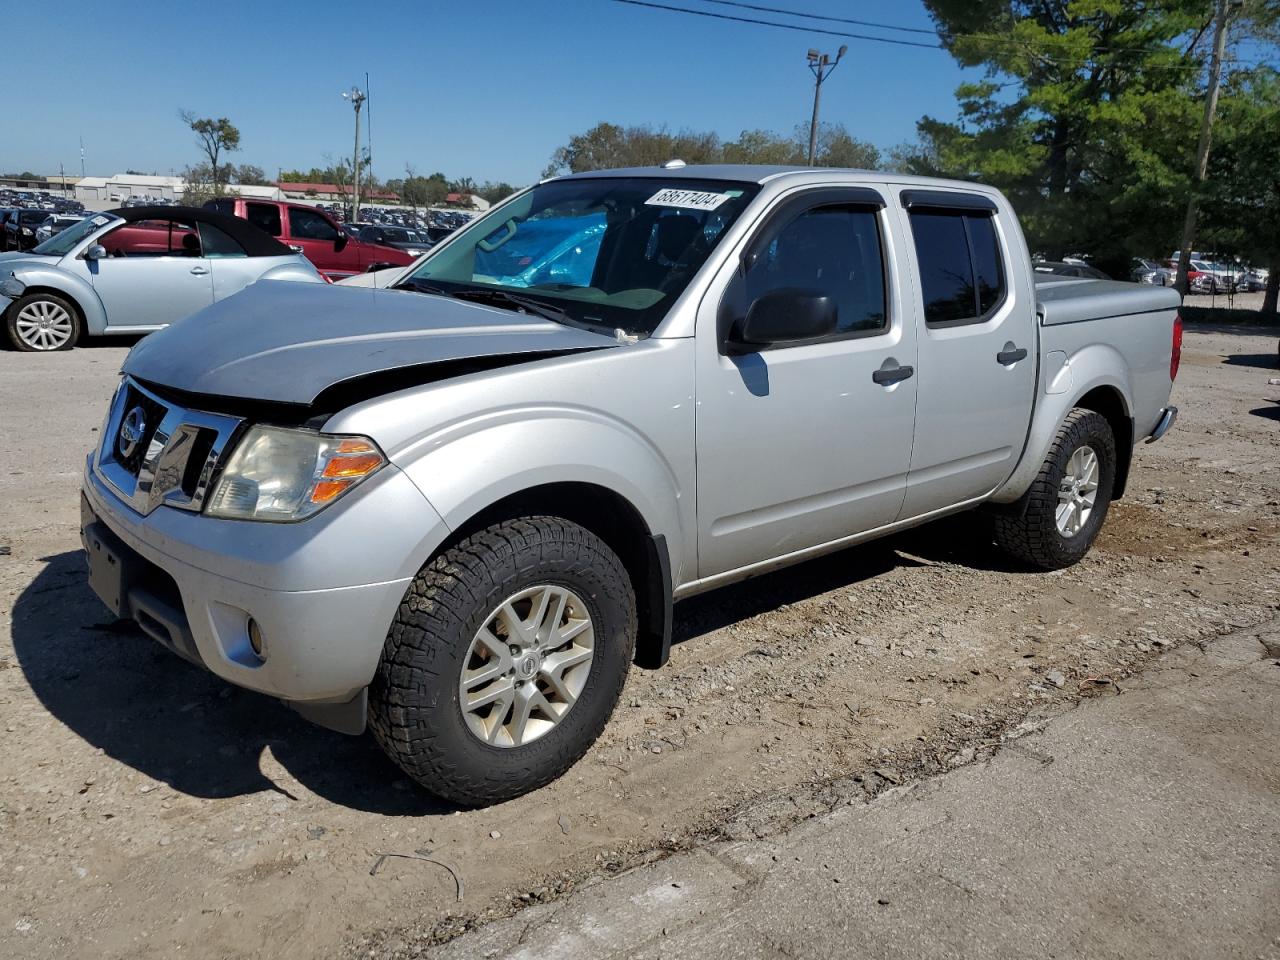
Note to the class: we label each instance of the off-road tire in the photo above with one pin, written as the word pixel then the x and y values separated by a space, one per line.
pixel 1033 537
pixel 11 321
pixel 414 708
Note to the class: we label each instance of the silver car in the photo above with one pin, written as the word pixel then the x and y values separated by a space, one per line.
pixel 133 271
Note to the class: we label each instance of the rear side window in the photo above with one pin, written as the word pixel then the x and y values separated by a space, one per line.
pixel 830 250
pixel 264 216
pixel 216 243
pixel 961 269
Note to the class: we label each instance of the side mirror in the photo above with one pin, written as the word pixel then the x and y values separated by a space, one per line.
pixel 340 241
pixel 787 316
pixel 96 251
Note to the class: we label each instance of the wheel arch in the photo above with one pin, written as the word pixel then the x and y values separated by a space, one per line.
pixel 93 318
pixel 1108 401
pixel 616 521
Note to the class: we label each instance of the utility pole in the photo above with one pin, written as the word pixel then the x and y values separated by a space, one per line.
pixel 82 158
pixel 1220 18
pixel 357 98
pixel 821 64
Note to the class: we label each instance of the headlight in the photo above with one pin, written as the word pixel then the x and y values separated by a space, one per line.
pixel 285 475
pixel 26 231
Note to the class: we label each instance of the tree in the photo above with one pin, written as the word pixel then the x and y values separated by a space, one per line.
pixel 1240 209
pixel 494 192
pixel 248 173
pixel 214 137
pixel 763 146
pixel 607 146
pixel 423 191
pixel 1082 119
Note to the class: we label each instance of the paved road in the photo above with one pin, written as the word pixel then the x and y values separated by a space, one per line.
pixel 1140 825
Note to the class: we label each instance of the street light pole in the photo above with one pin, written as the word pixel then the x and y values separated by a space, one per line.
pixel 357 98
pixel 821 64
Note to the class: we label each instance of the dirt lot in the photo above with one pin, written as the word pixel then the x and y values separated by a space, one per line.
pixel 147 810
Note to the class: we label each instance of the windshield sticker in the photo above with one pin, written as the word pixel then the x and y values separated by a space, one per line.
pixel 100 220
pixel 686 199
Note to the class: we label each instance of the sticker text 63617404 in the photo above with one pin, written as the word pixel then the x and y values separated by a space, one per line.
pixel 686 199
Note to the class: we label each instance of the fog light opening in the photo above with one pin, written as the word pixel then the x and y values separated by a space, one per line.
pixel 256 641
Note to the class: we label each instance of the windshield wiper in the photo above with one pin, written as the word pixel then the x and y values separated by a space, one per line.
pixel 501 298
pixel 421 286
pixel 526 304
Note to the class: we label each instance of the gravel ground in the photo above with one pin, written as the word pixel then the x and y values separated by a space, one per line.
pixel 147 809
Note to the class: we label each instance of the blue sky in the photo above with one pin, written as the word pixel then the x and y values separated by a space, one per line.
pixel 485 89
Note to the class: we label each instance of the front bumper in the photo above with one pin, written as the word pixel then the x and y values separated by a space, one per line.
pixel 323 593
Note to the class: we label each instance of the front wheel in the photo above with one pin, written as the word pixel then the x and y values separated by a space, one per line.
pixel 505 660
pixel 42 322
pixel 1068 500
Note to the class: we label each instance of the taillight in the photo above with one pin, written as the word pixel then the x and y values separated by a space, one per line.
pixel 1175 360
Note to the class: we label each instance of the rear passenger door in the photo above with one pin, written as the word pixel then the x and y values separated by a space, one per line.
pixel 805 444
pixel 978 349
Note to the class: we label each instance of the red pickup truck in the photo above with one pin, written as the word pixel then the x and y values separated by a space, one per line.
pixel 315 235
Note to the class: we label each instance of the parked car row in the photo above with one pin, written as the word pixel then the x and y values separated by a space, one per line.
pixel 132 271
pixel 311 232
pixel 1204 274
pixel 39 200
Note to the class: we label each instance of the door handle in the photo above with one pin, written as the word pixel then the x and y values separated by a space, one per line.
pixel 199 271
pixel 888 376
pixel 1010 355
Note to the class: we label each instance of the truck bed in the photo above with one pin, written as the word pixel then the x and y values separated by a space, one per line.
pixel 1069 300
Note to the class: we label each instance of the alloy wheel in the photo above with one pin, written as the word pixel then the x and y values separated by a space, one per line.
pixel 44 325
pixel 1078 491
pixel 527 666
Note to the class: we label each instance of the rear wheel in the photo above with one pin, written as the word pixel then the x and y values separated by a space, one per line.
pixel 1068 500
pixel 42 322
pixel 505 660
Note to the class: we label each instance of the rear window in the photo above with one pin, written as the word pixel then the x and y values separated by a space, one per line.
pixel 264 216
pixel 961 270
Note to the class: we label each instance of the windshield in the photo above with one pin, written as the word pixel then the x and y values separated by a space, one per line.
pixel 603 252
pixel 60 244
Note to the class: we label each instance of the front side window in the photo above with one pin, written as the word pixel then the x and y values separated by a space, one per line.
pixel 309 225
pixel 961 272
pixel 601 252
pixel 833 251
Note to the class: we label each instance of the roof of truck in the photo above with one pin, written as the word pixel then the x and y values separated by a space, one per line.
pixel 758 173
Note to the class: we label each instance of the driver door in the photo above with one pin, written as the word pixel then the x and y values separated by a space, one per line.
pixel 319 240
pixel 805 444
pixel 153 274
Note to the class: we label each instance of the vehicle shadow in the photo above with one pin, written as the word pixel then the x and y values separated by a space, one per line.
pixel 1268 361
pixel 143 706
pixel 963 539
pixel 1268 413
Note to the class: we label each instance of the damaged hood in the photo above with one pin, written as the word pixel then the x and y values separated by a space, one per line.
pixel 287 342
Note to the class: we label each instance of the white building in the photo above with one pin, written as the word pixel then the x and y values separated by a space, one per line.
pixel 122 186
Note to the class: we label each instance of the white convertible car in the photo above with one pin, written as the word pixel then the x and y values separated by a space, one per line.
pixel 133 271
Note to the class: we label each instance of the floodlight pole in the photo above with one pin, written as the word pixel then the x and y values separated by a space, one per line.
pixel 357 98
pixel 821 64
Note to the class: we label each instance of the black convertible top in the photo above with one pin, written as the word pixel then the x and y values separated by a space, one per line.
pixel 256 242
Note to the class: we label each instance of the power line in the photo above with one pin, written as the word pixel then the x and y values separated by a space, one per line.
pixel 819 16
pixel 1026 46
pixel 784 26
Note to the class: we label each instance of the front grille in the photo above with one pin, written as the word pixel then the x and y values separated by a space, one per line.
pixel 153 413
pixel 156 452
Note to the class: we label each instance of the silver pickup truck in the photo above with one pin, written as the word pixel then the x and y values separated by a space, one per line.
pixel 458 509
